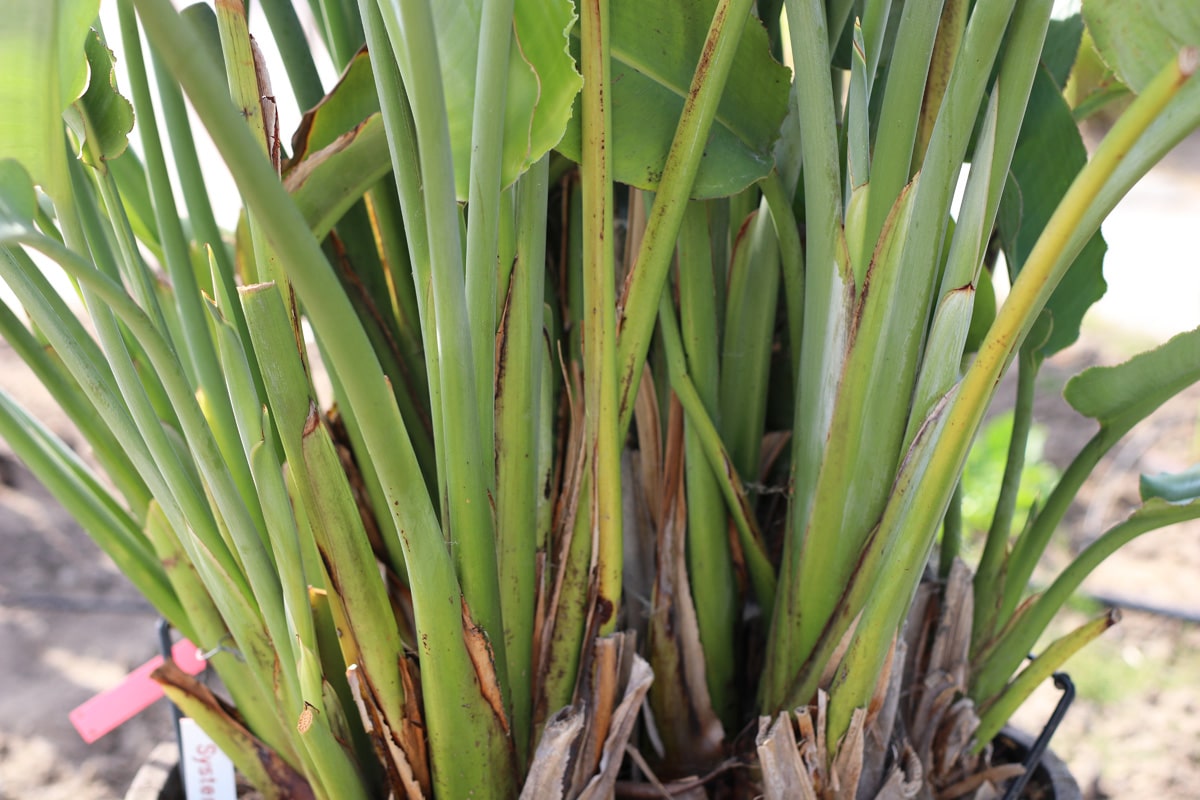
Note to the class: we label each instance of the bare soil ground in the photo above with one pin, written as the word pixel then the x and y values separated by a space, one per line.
pixel 70 626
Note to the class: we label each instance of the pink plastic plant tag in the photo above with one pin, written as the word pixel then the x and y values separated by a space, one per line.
pixel 136 692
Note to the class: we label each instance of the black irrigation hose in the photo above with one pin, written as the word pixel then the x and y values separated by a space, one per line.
pixel 1144 607
pixel 1034 756
pixel 164 645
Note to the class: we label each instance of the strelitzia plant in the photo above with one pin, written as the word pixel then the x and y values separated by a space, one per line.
pixel 654 369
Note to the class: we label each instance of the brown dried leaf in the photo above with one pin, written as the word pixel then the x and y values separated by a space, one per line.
pixel 412 736
pixel 693 734
pixel 918 628
pixel 567 505
pixel 810 751
pixel 266 98
pixel 952 743
pixel 981 781
pixel 623 719
pixel 848 763
pixel 403 779
pixel 952 640
pixel 822 726
pixel 905 780
pixel 556 753
pixel 880 727
pixel 650 449
pixel 582 745
pixel 601 689
pixel 883 684
pixel 939 721
pixel 785 776
pixel 939 692
pixel 838 652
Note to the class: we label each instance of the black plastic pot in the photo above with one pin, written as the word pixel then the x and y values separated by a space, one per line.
pixel 1051 780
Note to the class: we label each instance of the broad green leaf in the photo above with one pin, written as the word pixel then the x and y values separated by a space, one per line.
pixel 655 49
pixel 1062 47
pixel 351 100
pixel 44 69
pixel 1139 385
pixel 1137 37
pixel 18 199
pixel 101 117
pixel 1049 154
pixel 542 81
pixel 1181 487
pixel 330 180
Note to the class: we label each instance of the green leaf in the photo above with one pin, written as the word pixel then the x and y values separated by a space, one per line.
pixel 1049 154
pixel 1137 37
pixel 262 766
pixel 983 313
pixel 996 713
pixel 1138 386
pixel 130 175
pixel 18 200
pixel 655 49
pixel 203 21
pixel 351 101
pixel 101 117
pixel 542 81
pixel 1062 46
pixel 41 59
pixel 331 180
pixel 1182 487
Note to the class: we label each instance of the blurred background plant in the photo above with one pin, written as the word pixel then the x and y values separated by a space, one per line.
pixel 984 474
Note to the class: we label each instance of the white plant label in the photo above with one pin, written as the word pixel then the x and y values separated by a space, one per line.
pixel 207 772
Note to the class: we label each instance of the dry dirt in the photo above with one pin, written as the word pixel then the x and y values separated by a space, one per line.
pixel 70 626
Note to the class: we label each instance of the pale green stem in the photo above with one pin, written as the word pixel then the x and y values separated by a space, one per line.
pixel 469 527
pixel 484 210
pixel 602 436
pixel 639 301
pixel 518 401
pixel 1041 274
pixel 468 752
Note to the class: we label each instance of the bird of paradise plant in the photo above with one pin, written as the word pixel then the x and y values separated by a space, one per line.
pixel 654 366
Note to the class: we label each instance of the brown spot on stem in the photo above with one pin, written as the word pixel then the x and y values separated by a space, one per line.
pixel 483 659
pixel 312 420
pixel 1189 60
